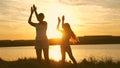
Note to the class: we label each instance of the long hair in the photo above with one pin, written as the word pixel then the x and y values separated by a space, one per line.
pixel 73 37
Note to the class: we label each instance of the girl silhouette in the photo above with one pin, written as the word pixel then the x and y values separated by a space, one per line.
pixel 67 34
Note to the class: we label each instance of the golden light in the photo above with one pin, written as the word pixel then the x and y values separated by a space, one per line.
pixel 52 18
pixel 52 12
pixel 54 34
pixel 55 53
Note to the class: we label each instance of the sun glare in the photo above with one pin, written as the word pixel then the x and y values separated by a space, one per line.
pixel 55 53
pixel 52 18
pixel 52 13
pixel 54 34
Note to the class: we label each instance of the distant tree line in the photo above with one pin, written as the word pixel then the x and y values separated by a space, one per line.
pixel 5 43
pixel 99 39
pixel 56 41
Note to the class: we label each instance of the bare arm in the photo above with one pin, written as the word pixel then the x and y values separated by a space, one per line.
pixel 58 25
pixel 63 18
pixel 29 20
pixel 35 9
pixel 45 24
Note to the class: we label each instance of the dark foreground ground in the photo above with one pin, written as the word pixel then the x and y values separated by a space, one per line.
pixel 33 63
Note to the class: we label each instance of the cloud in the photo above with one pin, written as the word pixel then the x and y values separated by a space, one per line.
pixel 102 10
pixel 12 11
pixel 115 4
pixel 98 23
pixel 72 2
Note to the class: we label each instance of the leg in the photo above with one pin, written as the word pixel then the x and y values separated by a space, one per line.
pixel 39 54
pixel 69 51
pixel 63 54
pixel 46 54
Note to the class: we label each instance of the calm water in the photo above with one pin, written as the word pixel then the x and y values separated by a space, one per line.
pixel 80 52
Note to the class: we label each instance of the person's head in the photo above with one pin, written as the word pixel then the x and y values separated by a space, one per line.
pixel 68 29
pixel 66 26
pixel 40 17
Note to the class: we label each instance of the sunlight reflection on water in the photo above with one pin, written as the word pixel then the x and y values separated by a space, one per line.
pixel 80 52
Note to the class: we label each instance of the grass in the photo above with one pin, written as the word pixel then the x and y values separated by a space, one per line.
pixel 85 63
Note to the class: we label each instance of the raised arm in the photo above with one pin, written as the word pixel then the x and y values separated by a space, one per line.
pixel 29 20
pixel 35 9
pixel 63 18
pixel 58 24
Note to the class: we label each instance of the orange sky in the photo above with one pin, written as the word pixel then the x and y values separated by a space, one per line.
pixel 85 17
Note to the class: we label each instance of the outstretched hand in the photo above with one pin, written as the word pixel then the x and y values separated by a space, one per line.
pixel 34 7
pixel 63 18
pixel 59 20
pixel 31 10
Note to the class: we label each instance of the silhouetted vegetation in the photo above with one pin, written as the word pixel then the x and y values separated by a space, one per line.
pixel 5 43
pixel 55 41
pixel 33 63
pixel 100 39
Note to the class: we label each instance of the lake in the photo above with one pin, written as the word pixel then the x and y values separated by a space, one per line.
pixel 99 51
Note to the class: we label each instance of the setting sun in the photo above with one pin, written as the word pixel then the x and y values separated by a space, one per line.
pixel 54 34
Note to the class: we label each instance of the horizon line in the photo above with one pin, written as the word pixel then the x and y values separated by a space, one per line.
pixel 59 38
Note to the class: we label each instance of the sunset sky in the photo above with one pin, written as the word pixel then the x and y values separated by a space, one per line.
pixel 86 17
